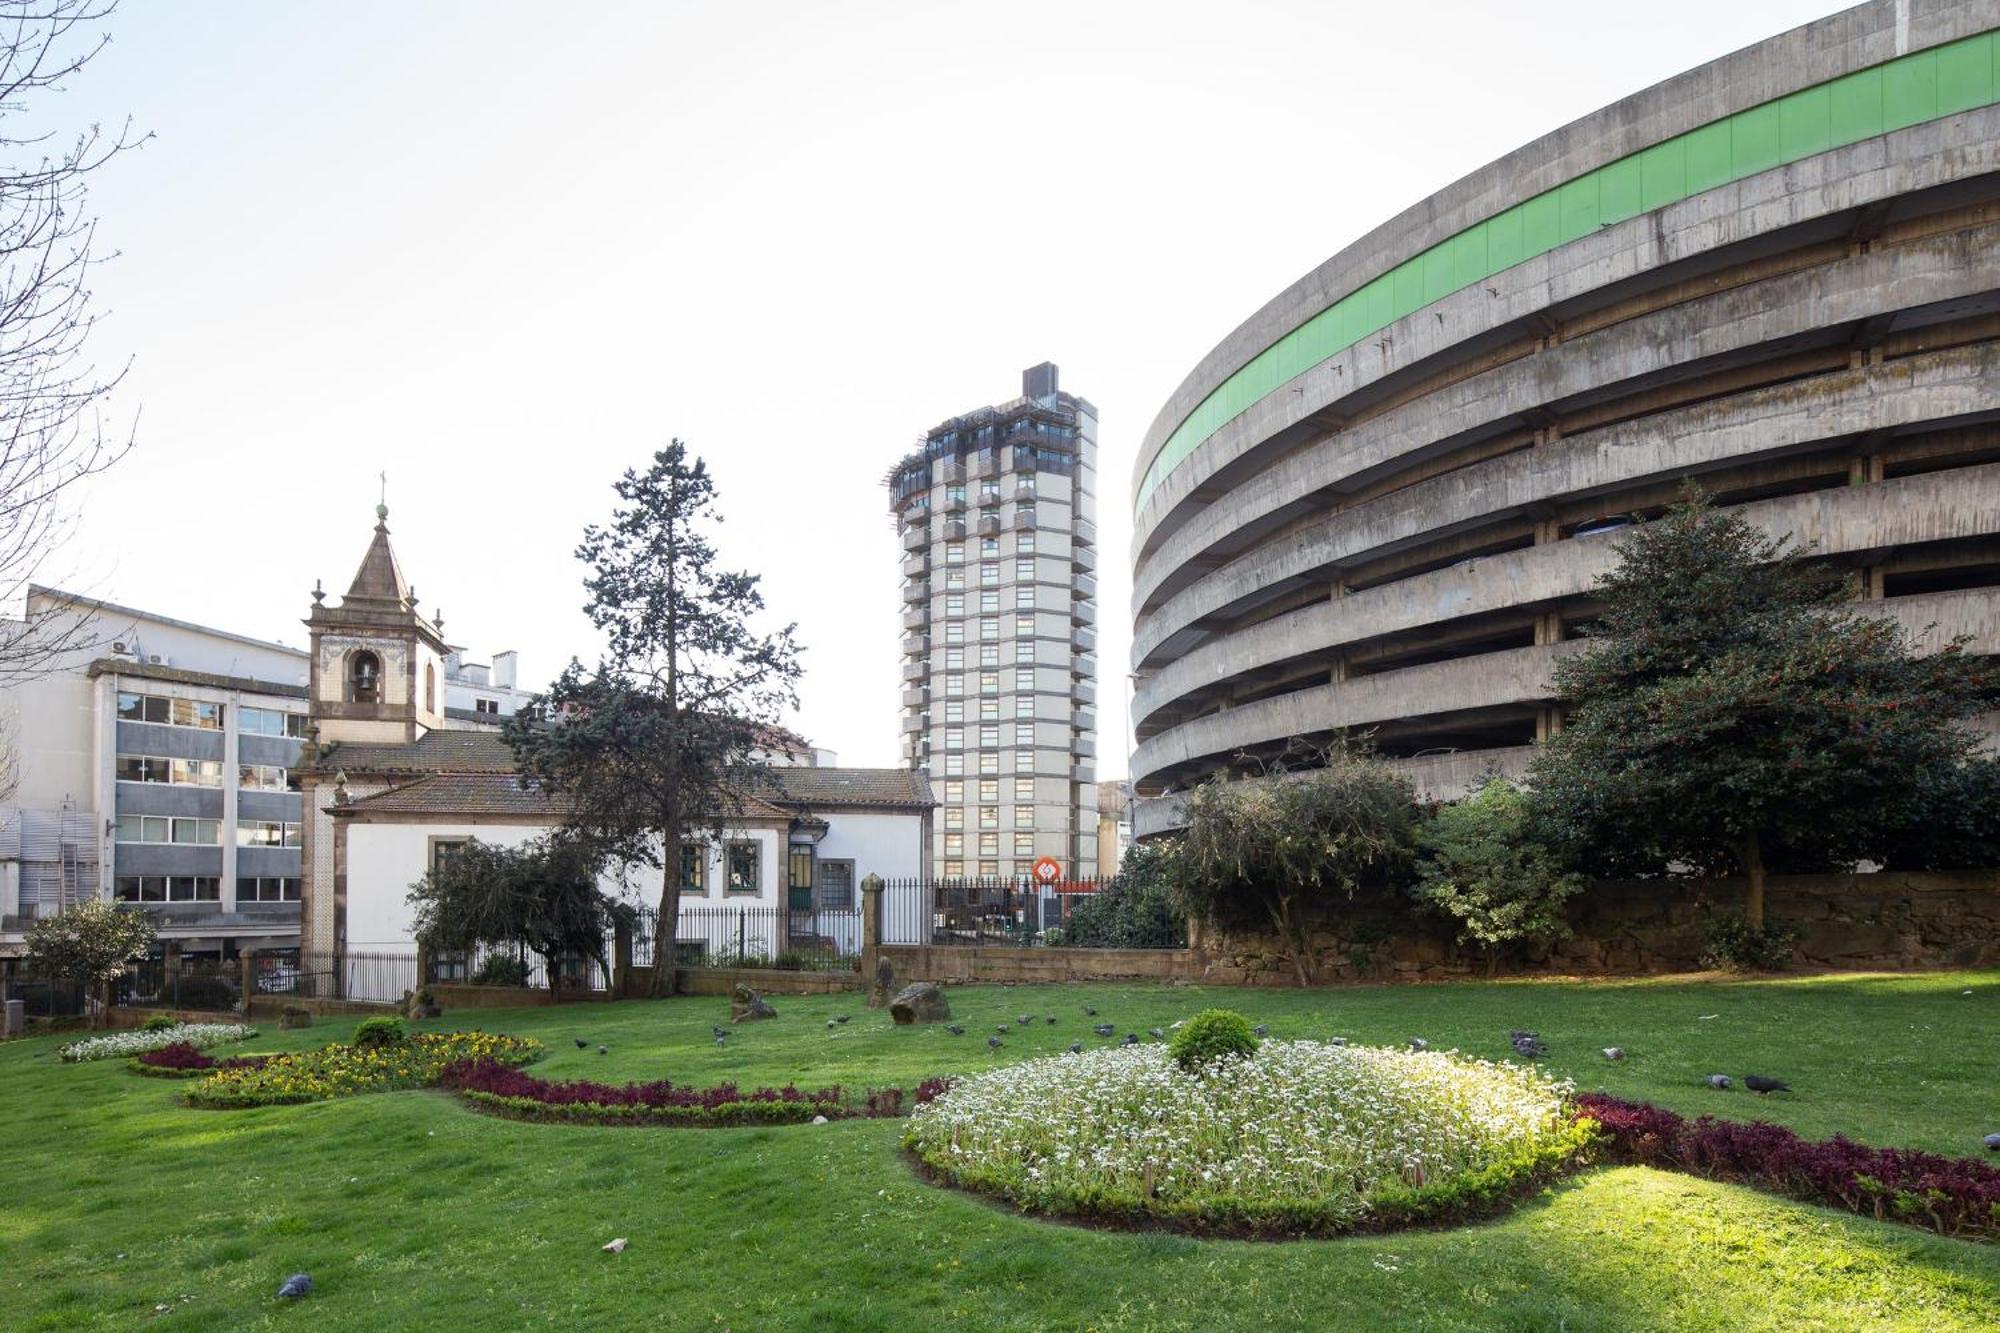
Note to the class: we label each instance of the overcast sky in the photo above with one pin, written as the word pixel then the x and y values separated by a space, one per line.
pixel 505 250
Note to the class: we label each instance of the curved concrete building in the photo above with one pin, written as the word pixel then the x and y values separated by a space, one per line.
pixel 1382 502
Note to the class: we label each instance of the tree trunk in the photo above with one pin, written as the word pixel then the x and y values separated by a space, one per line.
pixel 1753 871
pixel 666 927
pixel 1294 937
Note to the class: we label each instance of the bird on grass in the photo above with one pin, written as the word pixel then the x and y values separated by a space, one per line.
pixel 1614 1053
pixel 1336 1041
pixel 1052 1020
pixel 1993 1143
pixel 954 1029
pixel 1261 1030
pixel 1156 1034
pixel 993 1043
pixel 718 1031
pixel 722 1039
pixel 1104 1029
pixel 1419 1044
pixel 999 1027
pixel 1076 1048
pixel 843 1018
pixel 1525 1043
pixel 1089 1012
pixel 296 1286
pixel 1720 1082
pixel 1131 1039
pixel 604 1050
pixel 1760 1085
pixel 581 1043
pixel 1025 1019
pixel 829 1024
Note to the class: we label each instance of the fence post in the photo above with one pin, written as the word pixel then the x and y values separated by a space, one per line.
pixel 248 959
pixel 871 926
pixel 170 973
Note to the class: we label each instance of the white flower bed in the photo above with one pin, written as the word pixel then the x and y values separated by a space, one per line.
pixel 133 1042
pixel 1298 1124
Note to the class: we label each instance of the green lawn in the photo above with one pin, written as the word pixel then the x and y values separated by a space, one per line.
pixel 412 1212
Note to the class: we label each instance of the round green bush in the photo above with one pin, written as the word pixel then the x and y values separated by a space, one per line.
pixel 380 1032
pixel 1212 1035
pixel 500 969
pixel 158 1023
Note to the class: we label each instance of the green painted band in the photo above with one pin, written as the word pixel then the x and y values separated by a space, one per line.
pixel 1899 93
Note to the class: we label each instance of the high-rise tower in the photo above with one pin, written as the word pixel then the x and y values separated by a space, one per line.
pixel 996 511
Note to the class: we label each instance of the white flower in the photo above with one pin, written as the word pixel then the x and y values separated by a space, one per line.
pixel 136 1041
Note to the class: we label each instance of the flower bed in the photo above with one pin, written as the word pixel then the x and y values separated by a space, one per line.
pixel 182 1060
pixel 492 1086
pixel 343 1070
pixel 137 1041
pixel 1300 1138
pixel 1953 1196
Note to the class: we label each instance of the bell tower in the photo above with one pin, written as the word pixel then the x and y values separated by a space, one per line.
pixel 377 664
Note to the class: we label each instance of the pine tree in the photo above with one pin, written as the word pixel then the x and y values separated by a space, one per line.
pixel 661 742
pixel 1735 708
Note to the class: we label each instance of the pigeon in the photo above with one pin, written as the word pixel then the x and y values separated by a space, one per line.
pixel 1720 1082
pixel 1757 1083
pixel 1156 1034
pixel 722 1041
pixel 616 1246
pixel 1089 1012
pixel 1025 1019
pixel 1336 1041
pixel 1527 1043
pixel 718 1031
pixel 1419 1044
pixel 1614 1053
pixel 1262 1030
pixel 829 1023
pixel 999 1027
pixel 1104 1029
pixel 297 1285
pixel 954 1029
pixel 1993 1143
pixel 993 1043
pixel 1076 1048
pixel 1131 1039
pixel 843 1018
pixel 604 1050
pixel 581 1043
pixel 1052 1020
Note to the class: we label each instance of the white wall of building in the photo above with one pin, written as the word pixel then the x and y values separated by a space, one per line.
pixel 891 846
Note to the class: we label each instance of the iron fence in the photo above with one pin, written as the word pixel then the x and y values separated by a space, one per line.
pixel 979 911
pixel 50 997
pixel 513 964
pixel 348 976
pixel 212 984
pixel 805 939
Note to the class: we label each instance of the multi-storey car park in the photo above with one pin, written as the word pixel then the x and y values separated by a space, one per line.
pixel 995 511
pixel 1382 502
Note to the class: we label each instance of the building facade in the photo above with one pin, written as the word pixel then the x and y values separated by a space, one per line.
pixel 1381 504
pixel 996 514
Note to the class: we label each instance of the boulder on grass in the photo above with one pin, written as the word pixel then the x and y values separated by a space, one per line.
pixel 746 1004
pixel 884 989
pixel 922 1002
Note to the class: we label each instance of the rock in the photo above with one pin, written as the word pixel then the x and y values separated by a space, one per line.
pixel 921 1002
pixel 1993 1143
pixel 294 1016
pixel 420 1004
pixel 746 1005
pixel 819 1120
pixel 881 994
pixel 615 1246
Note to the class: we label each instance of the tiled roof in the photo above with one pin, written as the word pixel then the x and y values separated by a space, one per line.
pixel 829 787
pixel 450 750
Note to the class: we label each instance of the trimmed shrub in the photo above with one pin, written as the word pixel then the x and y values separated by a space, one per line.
pixel 1953 1196
pixel 210 994
pixel 499 969
pixel 380 1032
pixel 1737 946
pixel 1212 1035
pixel 1482 867
pixel 158 1023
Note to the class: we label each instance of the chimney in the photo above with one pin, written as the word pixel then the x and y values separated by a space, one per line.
pixel 1039 381
pixel 505 667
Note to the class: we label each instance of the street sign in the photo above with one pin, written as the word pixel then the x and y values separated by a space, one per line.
pixel 1047 871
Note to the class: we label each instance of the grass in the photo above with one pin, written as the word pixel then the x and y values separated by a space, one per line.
pixel 411 1211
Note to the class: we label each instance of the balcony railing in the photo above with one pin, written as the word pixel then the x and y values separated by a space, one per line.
pixel 916 536
pixel 917 670
pixel 1085 532
pixel 1084 640
pixel 1083 557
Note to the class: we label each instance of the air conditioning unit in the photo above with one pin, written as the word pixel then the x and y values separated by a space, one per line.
pixel 120 648
pixel 155 659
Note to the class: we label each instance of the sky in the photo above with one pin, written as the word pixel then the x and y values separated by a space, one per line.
pixel 503 251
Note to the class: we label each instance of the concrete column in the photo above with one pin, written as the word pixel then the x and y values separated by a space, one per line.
pixel 1548 721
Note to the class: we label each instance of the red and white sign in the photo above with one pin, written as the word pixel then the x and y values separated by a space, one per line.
pixel 1047 870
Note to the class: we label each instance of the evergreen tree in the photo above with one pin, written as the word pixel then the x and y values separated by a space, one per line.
pixel 660 743
pixel 93 942
pixel 1734 709
pixel 542 895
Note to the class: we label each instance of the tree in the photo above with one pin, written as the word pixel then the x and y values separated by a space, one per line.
pixel 1269 852
pixel 1136 909
pixel 93 942
pixel 542 895
pixel 52 434
pixel 1734 710
pixel 660 743
pixel 1481 865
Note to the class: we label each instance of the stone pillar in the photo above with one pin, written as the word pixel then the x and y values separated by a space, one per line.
pixel 248 959
pixel 17 1019
pixel 621 957
pixel 871 926
pixel 170 971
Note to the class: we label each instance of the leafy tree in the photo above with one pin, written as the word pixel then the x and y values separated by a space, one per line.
pixel 1481 864
pixel 1270 852
pixel 660 743
pixel 94 942
pixel 1733 709
pixel 1136 909
pixel 541 894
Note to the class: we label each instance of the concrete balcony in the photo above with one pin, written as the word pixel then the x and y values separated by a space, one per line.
pixel 1084 719
pixel 951 472
pixel 916 536
pixel 1085 532
pixel 954 529
pixel 916 671
pixel 1025 490
pixel 916 645
pixel 953 504
pixel 916 618
pixel 1084 692
pixel 917 590
pixel 916 697
pixel 916 566
pixel 1083 773
pixel 1082 612
pixel 986 463
pixel 1024 520
pixel 914 723
pixel 989 525
pixel 1085 585
pixel 1084 640
pixel 1084 558
pixel 1083 747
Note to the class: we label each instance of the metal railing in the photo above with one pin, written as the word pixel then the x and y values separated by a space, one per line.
pixel 805 939
pixel 979 911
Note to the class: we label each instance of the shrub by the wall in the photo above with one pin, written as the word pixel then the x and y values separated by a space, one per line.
pixel 500 969
pixel 1737 946
pixel 380 1032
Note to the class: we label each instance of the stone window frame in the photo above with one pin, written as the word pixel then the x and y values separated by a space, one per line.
pixel 730 850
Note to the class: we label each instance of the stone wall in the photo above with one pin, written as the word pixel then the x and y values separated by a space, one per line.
pixel 962 964
pixel 1891 920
